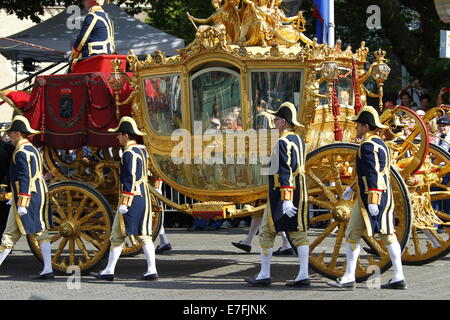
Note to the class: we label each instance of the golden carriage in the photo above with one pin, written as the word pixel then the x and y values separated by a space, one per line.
pixel 228 80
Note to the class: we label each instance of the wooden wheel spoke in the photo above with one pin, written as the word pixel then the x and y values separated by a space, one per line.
pixel 89 216
pixel 329 205
pixel 337 177
pixel 323 235
pixel 373 243
pixel 58 252
pixel 320 218
pixel 92 227
pixel 71 251
pixel 81 206
pixel 90 239
pixel 337 246
pixel 83 249
pixel 59 209
pixel 69 204
pixel 55 237
pixel 330 195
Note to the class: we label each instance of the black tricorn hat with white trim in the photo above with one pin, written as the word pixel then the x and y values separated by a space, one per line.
pixel 21 124
pixel 368 115
pixel 127 125
pixel 288 112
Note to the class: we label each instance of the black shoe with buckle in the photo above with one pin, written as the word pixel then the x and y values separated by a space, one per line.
pixel 150 277
pixel 305 283
pixel 338 284
pixel 259 283
pixel 108 277
pixel 243 247
pixel 397 285
pixel 285 252
pixel 45 276
pixel 160 249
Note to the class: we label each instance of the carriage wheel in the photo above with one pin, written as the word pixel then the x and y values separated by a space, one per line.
pixel 328 172
pixel 132 246
pixel 429 245
pixel 82 226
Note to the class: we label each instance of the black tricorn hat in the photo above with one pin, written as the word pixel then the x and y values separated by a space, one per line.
pixel 288 112
pixel 21 124
pixel 129 126
pixel 368 115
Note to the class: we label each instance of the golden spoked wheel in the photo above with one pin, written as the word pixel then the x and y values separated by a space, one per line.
pixel 429 245
pixel 82 226
pixel 328 172
pixel 133 246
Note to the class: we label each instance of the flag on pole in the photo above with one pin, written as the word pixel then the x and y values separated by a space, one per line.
pixel 321 11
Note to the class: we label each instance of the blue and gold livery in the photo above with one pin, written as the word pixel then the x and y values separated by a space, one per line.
pixel 134 190
pixel 29 188
pixel 288 183
pixel 374 184
pixel 96 36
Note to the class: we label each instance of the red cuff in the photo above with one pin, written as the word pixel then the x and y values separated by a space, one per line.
pixel 128 193
pixel 286 187
pixel 24 194
pixel 373 189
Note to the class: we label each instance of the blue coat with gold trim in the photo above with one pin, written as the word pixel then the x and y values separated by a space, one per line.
pixel 96 36
pixel 134 191
pixel 374 182
pixel 287 182
pixel 29 188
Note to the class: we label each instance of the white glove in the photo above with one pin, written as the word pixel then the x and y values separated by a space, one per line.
pixel 348 193
pixel 22 211
pixel 373 210
pixel 289 209
pixel 123 209
pixel 9 203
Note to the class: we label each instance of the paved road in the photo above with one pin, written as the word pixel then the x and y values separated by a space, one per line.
pixel 204 265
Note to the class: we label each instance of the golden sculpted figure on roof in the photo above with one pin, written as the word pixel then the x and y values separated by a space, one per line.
pixel 256 23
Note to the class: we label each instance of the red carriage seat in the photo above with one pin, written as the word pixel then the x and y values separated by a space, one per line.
pixel 100 63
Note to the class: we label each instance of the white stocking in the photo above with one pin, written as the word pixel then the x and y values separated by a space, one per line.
pixel 254 225
pixel 352 260
pixel 46 251
pixel 303 255
pixel 286 244
pixel 395 253
pixel 3 255
pixel 149 252
pixel 265 264
pixel 163 240
pixel 114 255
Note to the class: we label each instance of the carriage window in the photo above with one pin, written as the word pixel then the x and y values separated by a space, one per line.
pixel 163 98
pixel 344 90
pixel 216 100
pixel 269 90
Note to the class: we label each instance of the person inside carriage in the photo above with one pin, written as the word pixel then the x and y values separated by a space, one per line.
pixel 96 35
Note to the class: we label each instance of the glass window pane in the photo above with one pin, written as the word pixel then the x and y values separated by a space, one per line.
pixel 163 98
pixel 269 90
pixel 216 99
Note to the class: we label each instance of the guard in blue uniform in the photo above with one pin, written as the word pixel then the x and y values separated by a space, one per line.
pixel 97 34
pixel 29 212
pixel 287 207
pixel 134 214
pixel 373 211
